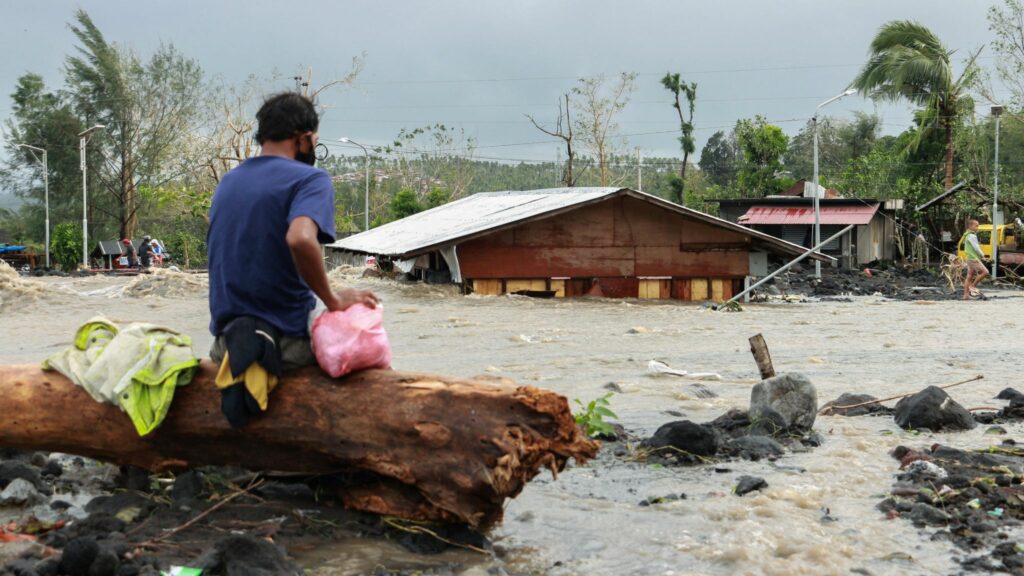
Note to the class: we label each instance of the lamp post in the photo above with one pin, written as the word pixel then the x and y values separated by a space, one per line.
pixel 997 111
pixel 366 205
pixel 46 193
pixel 817 187
pixel 83 137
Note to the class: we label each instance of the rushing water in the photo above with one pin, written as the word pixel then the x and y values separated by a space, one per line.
pixel 818 515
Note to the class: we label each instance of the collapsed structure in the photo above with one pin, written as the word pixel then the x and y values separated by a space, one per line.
pixel 564 241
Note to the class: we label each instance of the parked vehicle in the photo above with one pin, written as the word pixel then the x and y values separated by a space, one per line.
pixel 1009 238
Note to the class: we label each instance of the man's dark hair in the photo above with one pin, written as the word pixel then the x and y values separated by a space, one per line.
pixel 285 114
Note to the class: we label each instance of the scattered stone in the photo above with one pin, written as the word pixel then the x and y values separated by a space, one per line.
pixel 12 469
pixel 686 437
pixel 933 409
pixel 188 485
pixel 926 514
pixel 245 556
pixel 20 492
pixel 768 423
pixel 755 447
pixel 791 395
pixel 1010 394
pixel 835 407
pixel 78 555
pixel 996 430
pixel 748 484
pixel 106 563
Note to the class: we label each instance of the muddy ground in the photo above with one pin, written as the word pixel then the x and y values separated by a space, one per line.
pixel 619 514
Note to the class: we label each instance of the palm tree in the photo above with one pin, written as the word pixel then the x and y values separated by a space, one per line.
pixel 908 62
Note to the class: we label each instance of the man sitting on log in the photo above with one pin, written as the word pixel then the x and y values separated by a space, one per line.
pixel 267 220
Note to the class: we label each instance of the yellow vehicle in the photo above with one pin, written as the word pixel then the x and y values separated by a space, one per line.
pixel 1011 250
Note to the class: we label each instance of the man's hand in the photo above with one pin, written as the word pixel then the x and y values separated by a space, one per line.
pixel 350 296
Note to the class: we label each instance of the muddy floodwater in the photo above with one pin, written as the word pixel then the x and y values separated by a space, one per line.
pixel 818 514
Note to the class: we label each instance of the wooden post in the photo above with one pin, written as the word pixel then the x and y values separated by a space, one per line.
pixel 759 348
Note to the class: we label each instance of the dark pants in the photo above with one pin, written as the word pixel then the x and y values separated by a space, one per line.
pixel 296 352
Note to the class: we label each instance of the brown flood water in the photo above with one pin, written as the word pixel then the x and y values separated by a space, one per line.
pixel 589 520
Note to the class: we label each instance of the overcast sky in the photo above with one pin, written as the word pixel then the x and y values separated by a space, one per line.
pixel 480 65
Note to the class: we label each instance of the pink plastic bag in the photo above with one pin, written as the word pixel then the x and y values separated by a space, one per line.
pixel 351 340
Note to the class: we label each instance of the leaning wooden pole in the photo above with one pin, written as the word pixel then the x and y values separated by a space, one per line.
pixel 759 348
pixel 411 445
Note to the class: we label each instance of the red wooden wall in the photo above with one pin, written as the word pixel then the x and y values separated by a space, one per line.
pixel 620 238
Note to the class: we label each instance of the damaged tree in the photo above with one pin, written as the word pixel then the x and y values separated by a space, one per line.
pixel 395 443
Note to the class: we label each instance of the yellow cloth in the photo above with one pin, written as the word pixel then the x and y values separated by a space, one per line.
pixel 257 380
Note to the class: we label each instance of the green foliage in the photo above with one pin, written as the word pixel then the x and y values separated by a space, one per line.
pixel 187 249
pixel 674 84
pixel 591 419
pixel 405 203
pixel 762 145
pixel 66 245
pixel 719 158
pixel 438 197
pixel 908 62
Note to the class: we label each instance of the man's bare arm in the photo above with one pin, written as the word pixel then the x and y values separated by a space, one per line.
pixel 305 249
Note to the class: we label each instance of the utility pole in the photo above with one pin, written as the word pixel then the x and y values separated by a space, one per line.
pixel 997 111
pixel 46 193
pixel 83 137
pixel 639 171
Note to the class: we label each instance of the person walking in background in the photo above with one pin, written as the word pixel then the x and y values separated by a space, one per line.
pixel 976 270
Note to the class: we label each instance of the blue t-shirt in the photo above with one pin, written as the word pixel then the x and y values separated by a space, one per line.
pixel 252 272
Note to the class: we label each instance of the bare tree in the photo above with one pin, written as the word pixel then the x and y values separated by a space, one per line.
pixel 598 108
pixel 565 134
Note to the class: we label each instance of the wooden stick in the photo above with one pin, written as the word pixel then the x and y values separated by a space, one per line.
pixel 976 378
pixel 252 486
pixel 759 348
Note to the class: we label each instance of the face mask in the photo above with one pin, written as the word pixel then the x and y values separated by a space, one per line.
pixel 306 157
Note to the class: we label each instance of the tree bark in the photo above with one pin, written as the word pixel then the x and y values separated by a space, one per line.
pixel 949 154
pixel 412 445
pixel 759 348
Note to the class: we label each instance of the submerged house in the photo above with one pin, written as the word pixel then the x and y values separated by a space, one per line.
pixel 791 218
pixel 566 240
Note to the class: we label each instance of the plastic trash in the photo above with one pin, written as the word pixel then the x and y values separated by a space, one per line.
pixel 656 367
pixel 183 571
pixel 350 340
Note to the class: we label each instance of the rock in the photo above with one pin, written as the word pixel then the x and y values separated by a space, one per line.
pixel 849 399
pixel 748 484
pixel 48 566
pixel 12 469
pixel 52 468
pixel 768 423
pixel 933 409
pixel 12 550
pixel 997 430
pixel 1010 394
pixel 20 492
pixel 735 422
pixel 105 564
pixel 756 447
pixel 20 567
pixel 791 395
pixel 78 556
pixel 133 478
pixel 187 485
pixel 686 436
pixel 245 556
pixel 927 514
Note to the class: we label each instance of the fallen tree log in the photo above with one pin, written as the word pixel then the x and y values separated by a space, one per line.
pixel 412 445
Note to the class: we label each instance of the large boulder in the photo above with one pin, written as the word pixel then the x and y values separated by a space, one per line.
pixel 685 436
pixel 791 396
pixel 933 409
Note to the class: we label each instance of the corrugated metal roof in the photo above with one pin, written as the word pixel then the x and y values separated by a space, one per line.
pixel 843 215
pixel 487 212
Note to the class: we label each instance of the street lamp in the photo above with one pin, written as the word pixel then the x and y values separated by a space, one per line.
pixel 366 205
pixel 46 192
pixel 997 111
pixel 817 187
pixel 83 137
